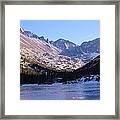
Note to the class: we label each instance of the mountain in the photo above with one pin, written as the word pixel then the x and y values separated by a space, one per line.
pixel 37 50
pixel 64 44
pixel 44 61
pixel 31 35
pixel 88 71
pixel 91 46
pixel 86 51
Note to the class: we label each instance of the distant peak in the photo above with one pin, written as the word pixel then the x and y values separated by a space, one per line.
pixel 61 39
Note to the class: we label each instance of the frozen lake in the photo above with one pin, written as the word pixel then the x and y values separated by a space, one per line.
pixel 89 90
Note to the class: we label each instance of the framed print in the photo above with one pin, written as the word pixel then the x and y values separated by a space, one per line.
pixel 59 59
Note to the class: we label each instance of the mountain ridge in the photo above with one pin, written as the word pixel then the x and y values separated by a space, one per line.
pixel 87 50
pixel 41 52
pixel 61 54
pixel 42 62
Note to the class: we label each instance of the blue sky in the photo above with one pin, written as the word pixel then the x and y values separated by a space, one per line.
pixel 75 31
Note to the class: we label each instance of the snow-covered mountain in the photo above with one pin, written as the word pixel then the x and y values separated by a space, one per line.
pixel 44 61
pixel 64 44
pixel 61 55
pixel 92 46
pixel 37 50
pixel 86 51
pixel 31 35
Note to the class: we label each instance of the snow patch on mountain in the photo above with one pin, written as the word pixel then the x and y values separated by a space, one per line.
pixel 86 51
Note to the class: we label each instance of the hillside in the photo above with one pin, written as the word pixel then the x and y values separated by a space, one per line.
pixel 43 61
pixel 37 50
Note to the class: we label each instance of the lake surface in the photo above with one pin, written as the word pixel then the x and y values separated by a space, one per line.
pixel 89 90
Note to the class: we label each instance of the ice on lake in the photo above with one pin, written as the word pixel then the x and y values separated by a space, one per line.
pixel 89 90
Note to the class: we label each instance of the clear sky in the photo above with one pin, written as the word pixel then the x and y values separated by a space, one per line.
pixel 75 31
